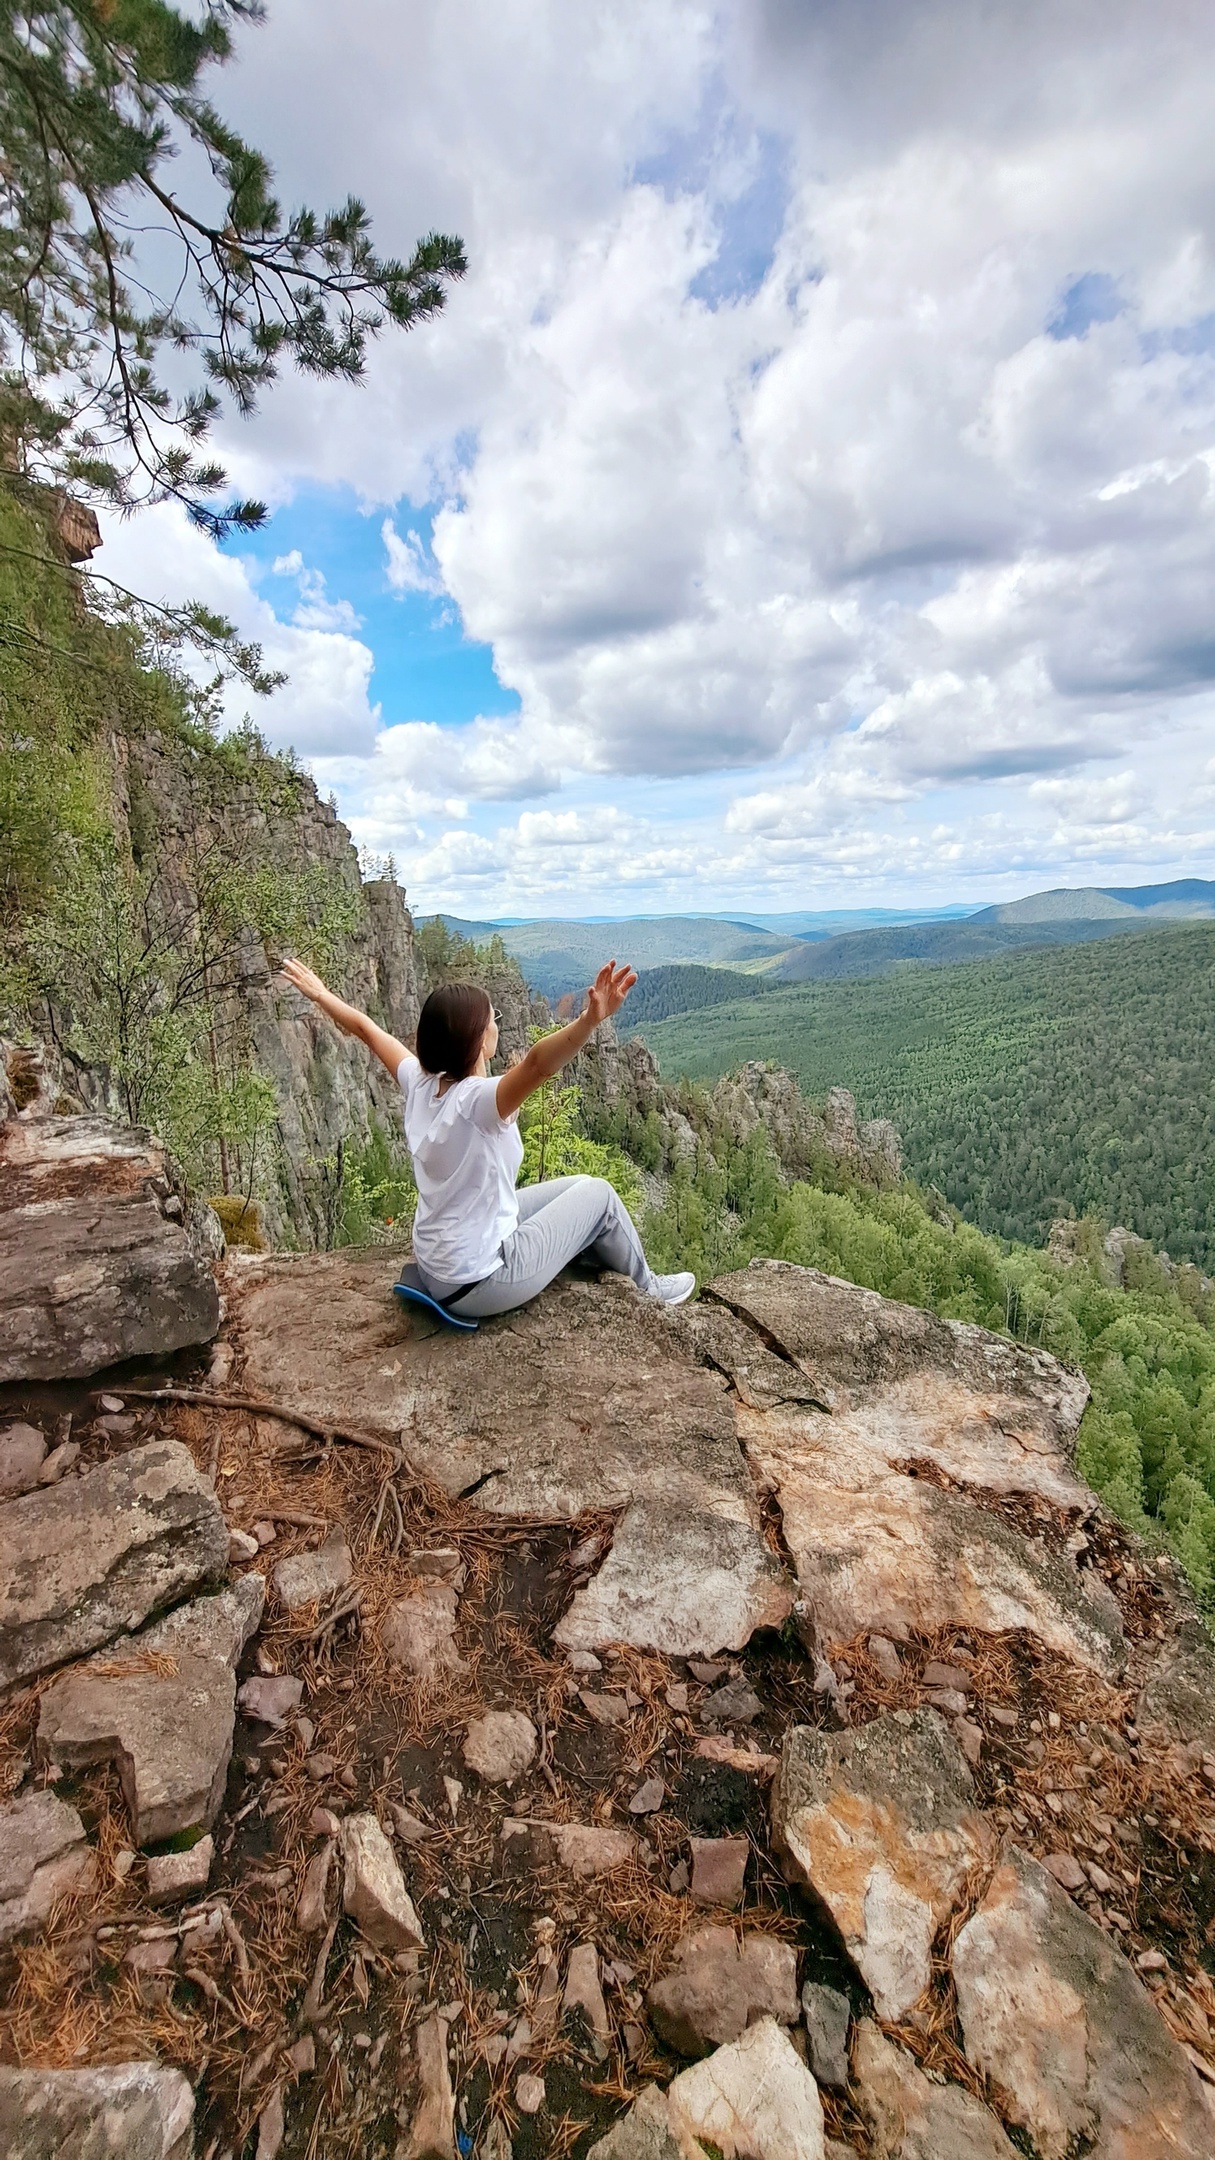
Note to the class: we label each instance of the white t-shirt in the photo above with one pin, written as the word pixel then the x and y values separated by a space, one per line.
pixel 465 1162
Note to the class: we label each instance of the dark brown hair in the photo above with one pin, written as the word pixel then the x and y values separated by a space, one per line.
pixel 452 1024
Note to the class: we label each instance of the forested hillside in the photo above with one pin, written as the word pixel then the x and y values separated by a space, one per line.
pixel 662 991
pixel 1065 1080
pixel 941 944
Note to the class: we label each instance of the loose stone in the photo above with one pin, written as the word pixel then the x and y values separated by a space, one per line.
pixel 733 1704
pixel 648 1798
pixel 936 1675
pixel 885 1657
pixel 881 1823
pixel 583 1991
pixel 827 2016
pixel 755 2096
pixel 500 1746
pixel 529 2094
pixel 270 1700
pixel 311 1914
pixel 44 1855
pixel 1066 1870
pixel 910 2117
pixel 373 1891
pixel 432 2131
pixel 304 1578
pixel 177 1875
pixel 170 1735
pixel 717 1985
pixel 22 1453
pixel 644 2133
pixel 605 1709
pixel 418 1631
pixel 719 1867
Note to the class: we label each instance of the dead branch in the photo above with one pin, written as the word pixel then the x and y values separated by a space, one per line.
pixel 349 1606
pixel 258 1408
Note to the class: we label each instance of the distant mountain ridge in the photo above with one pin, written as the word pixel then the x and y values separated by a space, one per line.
pixel 559 956
pixel 1066 916
pixel 1183 900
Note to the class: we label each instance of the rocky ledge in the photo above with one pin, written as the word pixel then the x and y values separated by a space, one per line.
pixel 101 1256
pixel 625 1732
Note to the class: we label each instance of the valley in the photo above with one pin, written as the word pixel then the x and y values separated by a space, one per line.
pixel 1072 1079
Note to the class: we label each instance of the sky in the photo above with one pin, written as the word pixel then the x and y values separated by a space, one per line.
pixel 808 498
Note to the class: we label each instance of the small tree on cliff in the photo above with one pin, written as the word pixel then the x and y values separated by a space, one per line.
pixel 105 268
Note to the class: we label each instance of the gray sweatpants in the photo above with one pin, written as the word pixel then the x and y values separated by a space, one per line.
pixel 557 1221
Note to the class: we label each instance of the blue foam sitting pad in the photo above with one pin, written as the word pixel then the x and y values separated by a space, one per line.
pixel 411 1288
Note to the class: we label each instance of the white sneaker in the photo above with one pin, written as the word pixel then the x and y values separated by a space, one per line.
pixel 674 1289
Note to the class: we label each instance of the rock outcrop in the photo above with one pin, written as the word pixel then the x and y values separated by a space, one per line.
pixel 101 1257
pixel 127 2111
pixel 96 1555
pixel 1054 2017
pixel 617 1507
pixel 877 1491
pixel 616 1416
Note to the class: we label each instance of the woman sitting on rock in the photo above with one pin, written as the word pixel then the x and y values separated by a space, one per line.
pixel 480 1245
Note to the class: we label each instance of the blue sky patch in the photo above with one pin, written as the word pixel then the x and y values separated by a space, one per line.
pixel 1092 298
pixel 330 551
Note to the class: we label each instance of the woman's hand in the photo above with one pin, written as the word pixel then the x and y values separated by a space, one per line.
pixel 348 1018
pixel 609 991
pixel 303 979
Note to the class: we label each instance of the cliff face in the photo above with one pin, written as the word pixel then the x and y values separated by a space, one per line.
pixel 624 1075
pixel 330 1093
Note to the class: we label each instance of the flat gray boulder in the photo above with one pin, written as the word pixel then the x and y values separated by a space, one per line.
pixel 124 2111
pixel 44 1855
pixel 616 1412
pixel 95 1556
pixel 1075 2051
pixel 92 1269
pixel 161 1705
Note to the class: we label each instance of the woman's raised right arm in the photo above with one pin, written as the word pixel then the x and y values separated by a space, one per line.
pixel 389 1051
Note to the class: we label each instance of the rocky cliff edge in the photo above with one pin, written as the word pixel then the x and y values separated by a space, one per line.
pixel 620 1731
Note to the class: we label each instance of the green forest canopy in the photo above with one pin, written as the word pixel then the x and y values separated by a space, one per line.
pixel 1055 1082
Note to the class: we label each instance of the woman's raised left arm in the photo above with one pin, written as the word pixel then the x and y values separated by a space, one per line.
pixel 389 1051
pixel 604 999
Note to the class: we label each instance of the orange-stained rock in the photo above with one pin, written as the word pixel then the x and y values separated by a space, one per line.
pixel 881 1823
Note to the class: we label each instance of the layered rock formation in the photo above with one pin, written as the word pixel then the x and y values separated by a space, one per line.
pixel 102 1257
